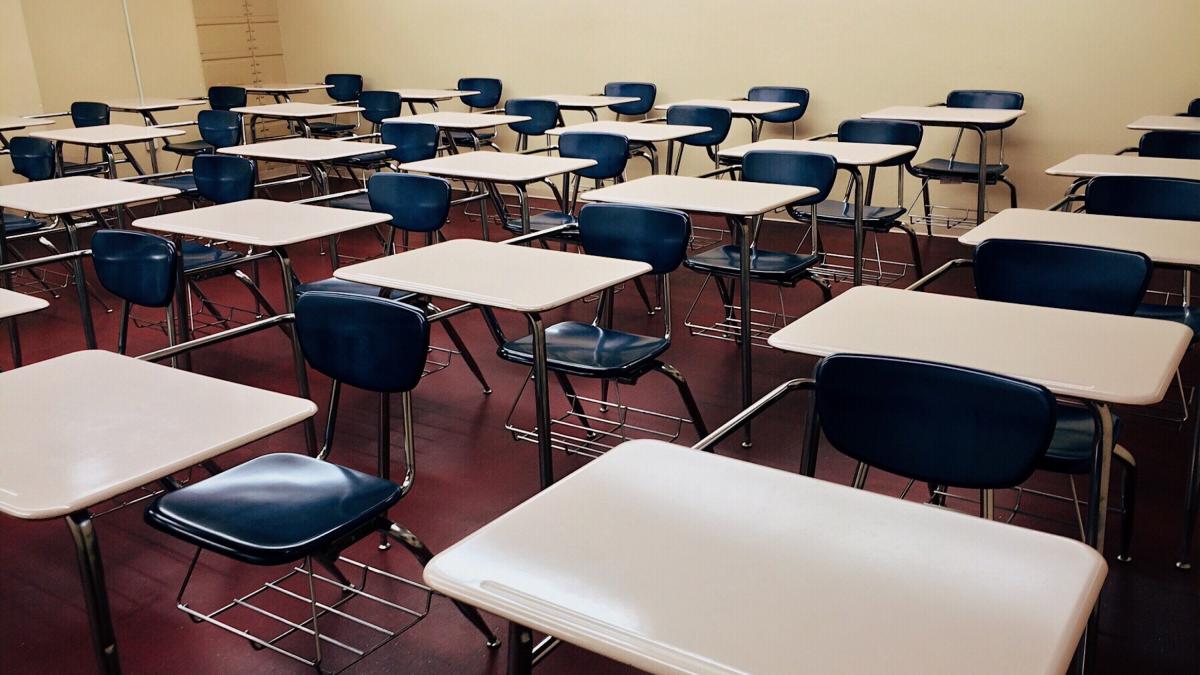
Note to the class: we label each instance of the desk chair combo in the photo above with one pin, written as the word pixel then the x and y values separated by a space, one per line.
pixel 318 509
pixel 218 129
pixel 490 91
pixel 543 116
pixel 722 265
pixel 645 92
pixel 797 95
pixel 718 120
pixel 1169 144
pixel 597 351
pixel 344 90
pixel 954 170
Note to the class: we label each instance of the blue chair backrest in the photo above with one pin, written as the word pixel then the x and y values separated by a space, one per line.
pixel 610 151
pixel 1143 197
pixel 89 113
pixel 224 178
pixel 220 128
pixel 542 114
pixel 1171 144
pixel 416 203
pixel 797 95
pixel 657 237
pixel 367 342
pixel 32 158
pixel 890 132
pixel 138 267
pixel 1065 276
pixel 792 168
pixel 646 92
pixel 985 98
pixel 489 89
pixel 414 141
pixel 224 97
pixel 933 422
pixel 346 86
pixel 1193 109
pixel 716 119
pixel 379 105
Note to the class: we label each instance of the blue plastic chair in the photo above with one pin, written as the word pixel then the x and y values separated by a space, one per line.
pixel 722 265
pixel 1193 109
pixel 718 120
pixel 968 172
pixel 797 95
pixel 89 114
pixel 317 509
pixel 139 268
pixel 543 116
pixel 490 91
pixel 413 141
pixel 1170 144
pixel 1145 197
pixel 218 129
pixel 416 204
pixel 876 219
pixel 611 154
pixel 33 159
pixel 931 422
pixel 646 93
pixel 226 98
pixel 657 237
pixel 378 106
pixel 347 87
pixel 1080 278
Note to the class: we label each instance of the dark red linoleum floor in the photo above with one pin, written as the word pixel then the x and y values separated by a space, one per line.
pixel 470 470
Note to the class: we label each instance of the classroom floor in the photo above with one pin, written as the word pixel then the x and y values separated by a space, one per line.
pixel 470 471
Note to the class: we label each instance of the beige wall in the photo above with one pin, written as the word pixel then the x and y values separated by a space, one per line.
pixel 1087 67
pixel 19 94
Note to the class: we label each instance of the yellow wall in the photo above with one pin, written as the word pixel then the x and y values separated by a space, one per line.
pixel 1087 67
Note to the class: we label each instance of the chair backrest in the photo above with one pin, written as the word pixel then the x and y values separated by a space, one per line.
pixel 379 105
pixel 542 114
pixel 414 141
pixel 416 203
pixel 890 132
pixel 657 237
pixel 933 422
pixel 89 113
pixel 366 342
pixel 1065 276
pixel 1143 197
pixel 489 89
pixel 138 267
pixel 220 128
pixel 32 158
pixel 345 86
pixel 797 95
pixel 1171 144
pixel 610 151
pixel 226 97
pixel 792 168
pixel 646 92
pixel 224 178
pixel 985 98
pixel 716 119
pixel 1193 109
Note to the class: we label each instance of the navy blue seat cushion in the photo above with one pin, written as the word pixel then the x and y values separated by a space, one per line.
pixel 1070 450
pixel 545 221
pixel 274 509
pixel 358 202
pixel 959 169
pixel 183 182
pixel 196 147
pixel 334 285
pixel 198 256
pixel 328 128
pixel 463 138
pixel 583 349
pixel 771 266
pixel 80 168
pixel 842 213
pixel 371 159
pixel 1187 316
pixel 17 224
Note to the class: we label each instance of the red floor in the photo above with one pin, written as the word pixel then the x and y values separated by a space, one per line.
pixel 470 471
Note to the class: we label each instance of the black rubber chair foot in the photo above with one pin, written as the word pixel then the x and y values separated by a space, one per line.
pixel 487 392
pixel 494 643
pixel 1125 558
pixel 385 546
pixel 747 444
pixel 1182 565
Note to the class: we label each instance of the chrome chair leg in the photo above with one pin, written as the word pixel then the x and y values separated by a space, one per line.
pixel 466 355
pixel 573 400
pixel 685 392
pixel 1128 500
pixel 860 476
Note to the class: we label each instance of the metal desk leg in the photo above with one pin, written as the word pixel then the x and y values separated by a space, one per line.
pixel 81 289
pixel 289 301
pixel 981 196
pixel 520 650
pixel 541 395
pixel 523 200
pixel 859 235
pixel 749 227
pixel 1101 465
pixel 671 157
pixel 91 573
pixel 148 120
pixel 6 282
pixel 1191 500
